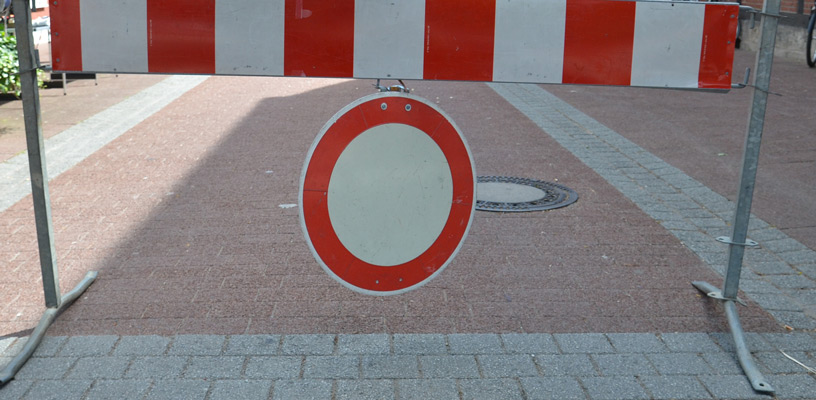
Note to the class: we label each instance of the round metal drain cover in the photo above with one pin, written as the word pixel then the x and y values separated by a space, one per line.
pixel 509 194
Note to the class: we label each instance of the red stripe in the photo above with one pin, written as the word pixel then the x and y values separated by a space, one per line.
pixel 717 56
pixel 66 35
pixel 459 40
pixel 181 36
pixel 319 38
pixel 599 36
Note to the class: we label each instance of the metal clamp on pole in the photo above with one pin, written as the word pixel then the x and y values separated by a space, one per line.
pixel 393 88
pixel 747 243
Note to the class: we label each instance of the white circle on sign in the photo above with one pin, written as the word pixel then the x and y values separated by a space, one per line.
pixel 390 194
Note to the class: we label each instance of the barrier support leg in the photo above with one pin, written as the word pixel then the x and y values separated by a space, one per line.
pixel 39 191
pixel 738 240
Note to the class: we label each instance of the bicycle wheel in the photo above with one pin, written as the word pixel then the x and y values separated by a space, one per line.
pixel 811 47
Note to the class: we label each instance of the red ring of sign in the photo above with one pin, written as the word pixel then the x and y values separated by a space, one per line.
pixel 346 125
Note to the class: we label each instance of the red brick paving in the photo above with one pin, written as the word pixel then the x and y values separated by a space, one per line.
pixel 180 216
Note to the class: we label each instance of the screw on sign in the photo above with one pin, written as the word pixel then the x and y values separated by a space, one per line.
pixel 387 194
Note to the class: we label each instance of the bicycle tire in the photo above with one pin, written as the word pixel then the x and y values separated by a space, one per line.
pixel 811 47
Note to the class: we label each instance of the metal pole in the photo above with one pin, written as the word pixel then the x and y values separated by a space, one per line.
pixel 739 237
pixel 36 152
pixel 756 122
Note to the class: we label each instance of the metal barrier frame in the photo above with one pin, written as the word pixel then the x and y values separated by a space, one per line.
pixel 737 242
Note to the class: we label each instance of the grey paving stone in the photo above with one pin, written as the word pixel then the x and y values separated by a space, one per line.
pixel 255 345
pixel 164 389
pixel 45 368
pixel 449 366
pixel 197 345
pixel 794 386
pixel 730 387
pixel 770 268
pixel 118 389
pixel 689 342
pixel 583 343
pixel 753 286
pixel 50 346
pixel 754 341
pixel 679 364
pixel 792 282
pixel 507 365
pixel 5 343
pixel 58 390
pixel 83 346
pixel 809 269
pixel 332 367
pixel 614 388
pixel 244 389
pixel 274 367
pixel 425 344
pixel 794 341
pixel 475 343
pixel 777 363
pixel 566 364
pixel 14 390
pixel 390 366
pixel 149 345
pixel 780 302
pixel 380 389
pixel 221 367
pixel 490 389
pixel 379 343
pixel 799 257
pixel 674 387
pixel 795 319
pixel 308 344
pixel 529 343
pixel 156 367
pixel 99 367
pixel 425 389
pixel 623 364
pixel 723 363
pixel 637 343
pixel 564 388
pixel 302 389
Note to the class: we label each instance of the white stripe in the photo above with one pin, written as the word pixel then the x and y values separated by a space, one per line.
pixel 667 45
pixel 249 37
pixel 529 41
pixel 388 39
pixel 114 35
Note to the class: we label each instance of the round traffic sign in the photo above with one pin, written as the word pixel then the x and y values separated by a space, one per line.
pixel 387 193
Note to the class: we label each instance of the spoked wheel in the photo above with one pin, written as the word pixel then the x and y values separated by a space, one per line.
pixel 811 46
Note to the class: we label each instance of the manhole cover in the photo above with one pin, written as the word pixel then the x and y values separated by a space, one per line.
pixel 509 194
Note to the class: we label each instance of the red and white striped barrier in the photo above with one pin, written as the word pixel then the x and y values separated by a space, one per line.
pixel 605 42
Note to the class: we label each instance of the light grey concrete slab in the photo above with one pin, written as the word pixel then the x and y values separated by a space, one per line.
pixel 332 367
pixel 302 389
pixel 274 367
pixel 244 389
pixel 197 345
pixel 156 367
pixel 147 345
pixel 365 389
pixel 423 389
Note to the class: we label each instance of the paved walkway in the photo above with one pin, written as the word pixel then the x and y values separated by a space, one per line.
pixel 206 290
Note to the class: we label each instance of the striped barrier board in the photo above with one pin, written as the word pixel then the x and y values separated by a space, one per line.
pixel 604 42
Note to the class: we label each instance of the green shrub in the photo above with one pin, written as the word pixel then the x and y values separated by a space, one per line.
pixel 9 66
